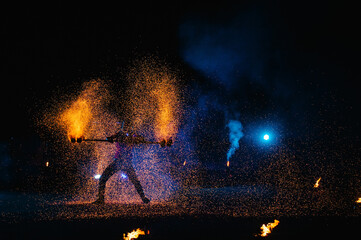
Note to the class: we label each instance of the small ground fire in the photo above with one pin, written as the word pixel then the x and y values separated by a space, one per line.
pixel 266 229
pixel 317 184
pixel 134 234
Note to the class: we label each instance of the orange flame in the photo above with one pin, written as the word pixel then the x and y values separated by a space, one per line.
pixel 317 184
pixel 164 115
pixel 166 98
pixel 76 118
pixel 266 229
pixel 154 99
pixel 134 234
pixel 227 163
pixel 358 200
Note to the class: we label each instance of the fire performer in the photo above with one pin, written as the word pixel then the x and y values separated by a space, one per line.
pixel 125 142
pixel 122 161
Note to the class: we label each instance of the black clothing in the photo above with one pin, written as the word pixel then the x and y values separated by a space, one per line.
pixel 122 161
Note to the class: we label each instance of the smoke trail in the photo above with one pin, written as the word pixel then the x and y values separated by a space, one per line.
pixel 227 49
pixel 235 134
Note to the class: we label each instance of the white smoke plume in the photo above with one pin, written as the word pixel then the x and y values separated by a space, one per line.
pixel 235 134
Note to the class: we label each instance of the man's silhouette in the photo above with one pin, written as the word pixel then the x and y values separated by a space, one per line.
pixel 122 161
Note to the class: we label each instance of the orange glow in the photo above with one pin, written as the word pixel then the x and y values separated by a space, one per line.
pixel 184 163
pixel 76 118
pixel 266 229
pixel 358 200
pixel 154 100
pixel 134 234
pixel 47 164
pixel 317 184
pixel 227 163
pixel 165 114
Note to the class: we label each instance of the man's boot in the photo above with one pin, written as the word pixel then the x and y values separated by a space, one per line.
pixel 100 199
pixel 145 200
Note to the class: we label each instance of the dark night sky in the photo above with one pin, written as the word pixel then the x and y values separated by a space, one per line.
pixel 54 45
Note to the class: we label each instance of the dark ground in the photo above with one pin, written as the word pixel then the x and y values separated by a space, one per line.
pixel 189 227
pixel 200 214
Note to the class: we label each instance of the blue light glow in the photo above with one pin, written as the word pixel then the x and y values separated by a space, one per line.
pixel 123 175
pixel 263 135
pixel 266 137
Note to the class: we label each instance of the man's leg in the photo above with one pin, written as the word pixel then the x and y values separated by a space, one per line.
pixel 108 172
pixel 134 179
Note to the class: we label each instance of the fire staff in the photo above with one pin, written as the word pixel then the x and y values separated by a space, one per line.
pixel 122 160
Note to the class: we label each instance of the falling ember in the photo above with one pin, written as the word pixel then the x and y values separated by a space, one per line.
pixel 266 229
pixel 317 184
pixel 184 163
pixel 134 234
pixel 358 200
pixel 47 164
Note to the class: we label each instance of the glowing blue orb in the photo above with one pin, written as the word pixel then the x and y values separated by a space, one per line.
pixel 266 137
pixel 97 176
pixel 123 175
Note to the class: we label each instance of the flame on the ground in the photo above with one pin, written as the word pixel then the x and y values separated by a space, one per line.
pixel 134 234
pixel 317 184
pixel 358 200
pixel 266 229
